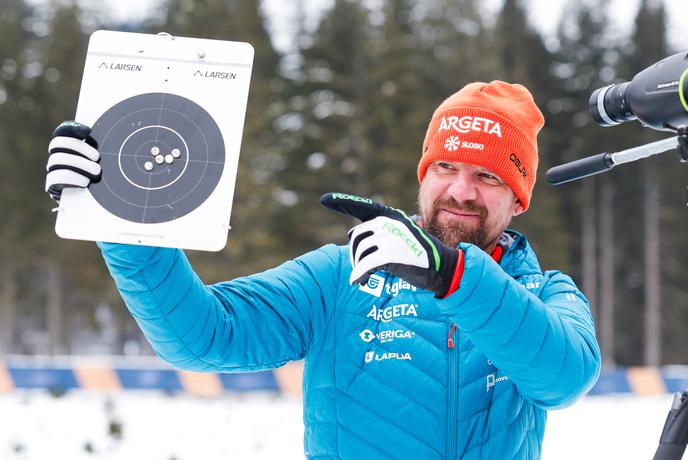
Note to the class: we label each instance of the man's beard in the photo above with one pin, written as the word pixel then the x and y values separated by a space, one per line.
pixel 454 232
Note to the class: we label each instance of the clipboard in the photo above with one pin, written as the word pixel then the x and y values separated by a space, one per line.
pixel 168 115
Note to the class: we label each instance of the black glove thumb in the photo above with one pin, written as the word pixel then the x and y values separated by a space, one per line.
pixel 362 208
pixel 77 131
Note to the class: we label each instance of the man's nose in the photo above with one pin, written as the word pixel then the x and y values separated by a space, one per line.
pixel 463 187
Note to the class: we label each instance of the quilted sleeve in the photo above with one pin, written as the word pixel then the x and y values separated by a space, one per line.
pixel 251 323
pixel 546 344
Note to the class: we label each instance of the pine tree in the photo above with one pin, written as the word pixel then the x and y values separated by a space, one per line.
pixel 13 40
pixel 648 184
pixel 255 241
pixel 401 107
pixel 71 271
pixel 332 106
pixel 524 59
pixel 42 91
pixel 585 61
pixel 456 47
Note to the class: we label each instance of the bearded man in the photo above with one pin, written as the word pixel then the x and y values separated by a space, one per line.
pixel 436 337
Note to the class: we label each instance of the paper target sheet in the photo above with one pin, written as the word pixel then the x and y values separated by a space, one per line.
pixel 168 115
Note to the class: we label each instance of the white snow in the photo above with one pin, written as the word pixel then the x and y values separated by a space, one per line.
pixel 607 427
pixel 36 425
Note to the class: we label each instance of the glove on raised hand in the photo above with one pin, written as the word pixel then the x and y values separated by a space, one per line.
pixel 73 160
pixel 391 241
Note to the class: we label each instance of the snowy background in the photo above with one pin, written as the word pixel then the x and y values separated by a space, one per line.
pixel 155 426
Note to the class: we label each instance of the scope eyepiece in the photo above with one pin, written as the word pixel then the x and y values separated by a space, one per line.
pixel 608 105
pixel 657 97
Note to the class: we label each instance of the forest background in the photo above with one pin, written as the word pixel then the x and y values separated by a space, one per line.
pixel 345 109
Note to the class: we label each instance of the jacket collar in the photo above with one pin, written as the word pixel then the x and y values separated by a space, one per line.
pixel 519 258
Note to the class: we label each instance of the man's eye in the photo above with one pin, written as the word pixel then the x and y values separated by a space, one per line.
pixel 490 178
pixel 446 166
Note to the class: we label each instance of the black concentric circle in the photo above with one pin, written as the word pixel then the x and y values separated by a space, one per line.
pixel 127 135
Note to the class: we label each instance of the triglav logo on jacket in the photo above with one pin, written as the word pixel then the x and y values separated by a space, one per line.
pixel 399 285
pixel 374 285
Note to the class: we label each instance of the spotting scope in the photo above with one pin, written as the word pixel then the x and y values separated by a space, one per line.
pixel 656 97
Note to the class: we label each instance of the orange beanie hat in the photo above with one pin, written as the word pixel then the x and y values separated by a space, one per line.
pixel 494 125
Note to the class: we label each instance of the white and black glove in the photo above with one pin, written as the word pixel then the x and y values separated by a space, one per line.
pixel 391 241
pixel 73 159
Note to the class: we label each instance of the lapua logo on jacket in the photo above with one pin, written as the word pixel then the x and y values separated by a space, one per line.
pixel 372 356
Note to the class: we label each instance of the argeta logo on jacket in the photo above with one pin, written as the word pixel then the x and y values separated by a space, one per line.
pixel 387 314
pixel 374 286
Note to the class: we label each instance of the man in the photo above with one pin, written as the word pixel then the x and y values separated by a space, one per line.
pixel 433 339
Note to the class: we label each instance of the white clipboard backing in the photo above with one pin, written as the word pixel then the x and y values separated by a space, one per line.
pixel 168 115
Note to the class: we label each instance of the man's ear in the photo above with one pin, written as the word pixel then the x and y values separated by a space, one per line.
pixel 517 208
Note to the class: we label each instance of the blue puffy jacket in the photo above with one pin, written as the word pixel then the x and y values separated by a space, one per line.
pixel 390 371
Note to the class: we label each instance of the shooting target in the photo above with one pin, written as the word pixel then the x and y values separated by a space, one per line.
pixel 168 115
pixel 162 157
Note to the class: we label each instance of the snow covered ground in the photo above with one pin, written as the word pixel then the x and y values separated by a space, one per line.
pixel 155 426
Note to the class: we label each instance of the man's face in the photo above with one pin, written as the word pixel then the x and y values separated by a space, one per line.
pixel 460 202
